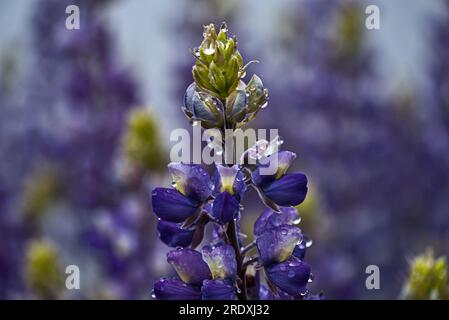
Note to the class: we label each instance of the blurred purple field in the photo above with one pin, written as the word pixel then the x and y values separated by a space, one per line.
pixel 86 116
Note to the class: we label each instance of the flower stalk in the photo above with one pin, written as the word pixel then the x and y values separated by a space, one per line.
pixel 219 98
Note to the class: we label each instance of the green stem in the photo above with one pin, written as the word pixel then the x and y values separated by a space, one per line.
pixel 232 235
pixel 231 231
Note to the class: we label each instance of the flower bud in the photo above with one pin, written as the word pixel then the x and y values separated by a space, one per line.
pixel 43 269
pixel 219 65
pixel 428 279
pixel 203 107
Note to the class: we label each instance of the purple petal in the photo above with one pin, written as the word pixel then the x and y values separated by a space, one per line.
pixel 188 97
pixel 281 160
pixel 290 190
pixel 173 235
pixel 265 293
pixel 191 180
pixel 271 219
pixel 218 290
pixel 300 252
pixel 230 179
pixel 277 244
pixel 189 265
pixel 175 289
pixel 290 276
pixel 221 261
pixel 225 207
pixel 171 205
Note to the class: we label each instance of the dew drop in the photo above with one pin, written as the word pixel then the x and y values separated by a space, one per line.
pixel 297 221
pixel 279 141
pixel 311 278
pixel 224 27
pixel 291 274
pixel 264 105
pixel 209 51
pixel 309 242
pixel 284 232
pixel 195 123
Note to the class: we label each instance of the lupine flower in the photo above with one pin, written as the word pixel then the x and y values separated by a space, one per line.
pixel 229 187
pixel 193 187
pixel 219 99
pixel 205 276
pixel 283 189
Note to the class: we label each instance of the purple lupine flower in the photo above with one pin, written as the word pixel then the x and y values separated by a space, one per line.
pixel 283 189
pixel 173 234
pixel 208 275
pixel 220 99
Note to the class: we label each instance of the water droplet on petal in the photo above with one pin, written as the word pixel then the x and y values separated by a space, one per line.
pixel 291 274
pixel 308 242
pixel 297 221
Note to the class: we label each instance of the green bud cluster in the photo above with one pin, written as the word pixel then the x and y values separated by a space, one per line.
pixel 43 270
pixel 428 278
pixel 40 190
pixel 141 141
pixel 219 65
pixel 219 98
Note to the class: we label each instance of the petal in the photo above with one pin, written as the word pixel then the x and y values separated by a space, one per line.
pixel 277 244
pixel 265 293
pixel 191 180
pixel 225 207
pixel 238 103
pixel 278 164
pixel 314 296
pixel 171 205
pixel 257 96
pixel 188 97
pixel 189 265
pixel 175 289
pixel 290 276
pixel 218 290
pixel 300 252
pixel 271 219
pixel 202 110
pixel 221 261
pixel 173 235
pixel 285 159
pixel 230 179
pixel 289 190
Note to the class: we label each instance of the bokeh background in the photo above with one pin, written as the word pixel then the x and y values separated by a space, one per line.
pixel 85 118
